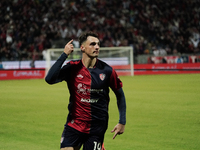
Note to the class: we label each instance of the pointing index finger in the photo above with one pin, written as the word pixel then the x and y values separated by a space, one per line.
pixel 114 135
pixel 70 42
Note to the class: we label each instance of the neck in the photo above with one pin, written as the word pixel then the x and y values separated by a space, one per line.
pixel 89 62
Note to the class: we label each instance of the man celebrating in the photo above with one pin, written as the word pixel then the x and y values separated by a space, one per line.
pixel 88 82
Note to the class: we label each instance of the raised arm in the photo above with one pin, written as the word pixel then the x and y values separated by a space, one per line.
pixel 53 74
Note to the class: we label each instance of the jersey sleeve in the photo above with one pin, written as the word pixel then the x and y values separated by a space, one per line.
pixel 121 103
pixel 116 86
pixel 57 73
pixel 115 83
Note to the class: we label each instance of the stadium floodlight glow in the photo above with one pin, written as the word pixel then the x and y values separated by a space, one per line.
pixel 120 58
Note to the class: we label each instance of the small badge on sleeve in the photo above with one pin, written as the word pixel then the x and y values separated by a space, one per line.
pixel 62 139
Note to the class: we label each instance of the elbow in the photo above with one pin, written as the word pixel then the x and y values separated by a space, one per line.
pixel 48 80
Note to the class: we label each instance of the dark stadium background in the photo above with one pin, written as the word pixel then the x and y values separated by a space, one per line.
pixel 156 29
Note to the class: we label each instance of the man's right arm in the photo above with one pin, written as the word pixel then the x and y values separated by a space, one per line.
pixel 53 75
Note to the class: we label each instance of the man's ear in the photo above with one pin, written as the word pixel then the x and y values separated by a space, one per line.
pixel 82 48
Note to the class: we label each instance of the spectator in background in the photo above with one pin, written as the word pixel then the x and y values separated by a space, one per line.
pixel 141 22
pixel 1 65
pixel 179 59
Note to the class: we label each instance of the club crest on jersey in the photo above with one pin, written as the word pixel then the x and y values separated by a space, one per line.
pixel 102 76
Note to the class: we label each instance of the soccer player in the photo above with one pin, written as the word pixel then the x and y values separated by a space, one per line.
pixel 88 82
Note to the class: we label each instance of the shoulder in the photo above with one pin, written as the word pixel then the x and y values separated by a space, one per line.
pixel 102 64
pixel 105 68
pixel 71 64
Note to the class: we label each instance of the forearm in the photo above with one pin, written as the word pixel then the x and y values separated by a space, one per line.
pixel 52 76
pixel 121 103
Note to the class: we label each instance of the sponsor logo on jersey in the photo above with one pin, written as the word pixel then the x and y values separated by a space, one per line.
pixel 79 76
pixel 89 100
pixel 95 90
pixel 82 89
pixel 102 76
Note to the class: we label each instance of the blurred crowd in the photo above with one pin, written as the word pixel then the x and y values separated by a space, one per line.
pixel 157 27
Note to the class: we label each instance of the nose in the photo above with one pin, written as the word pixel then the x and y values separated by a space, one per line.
pixel 97 46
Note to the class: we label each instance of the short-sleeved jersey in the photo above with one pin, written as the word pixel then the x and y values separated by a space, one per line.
pixel 89 94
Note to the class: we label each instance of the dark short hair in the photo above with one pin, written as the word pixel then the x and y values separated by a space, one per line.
pixel 83 37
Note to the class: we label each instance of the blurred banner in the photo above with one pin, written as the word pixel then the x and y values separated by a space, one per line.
pixel 122 70
pixel 12 74
pixel 145 69
pixel 173 59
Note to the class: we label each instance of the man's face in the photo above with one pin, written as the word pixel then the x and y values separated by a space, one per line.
pixel 91 47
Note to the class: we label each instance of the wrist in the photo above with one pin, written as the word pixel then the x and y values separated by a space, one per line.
pixel 64 54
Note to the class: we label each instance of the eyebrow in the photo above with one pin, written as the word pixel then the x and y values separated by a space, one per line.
pixel 94 43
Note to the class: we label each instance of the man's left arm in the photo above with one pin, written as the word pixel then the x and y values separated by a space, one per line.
pixel 121 103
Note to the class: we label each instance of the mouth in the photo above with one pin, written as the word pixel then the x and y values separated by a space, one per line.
pixel 96 52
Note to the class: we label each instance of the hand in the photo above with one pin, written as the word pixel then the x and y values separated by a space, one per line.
pixel 69 48
pixel 118 129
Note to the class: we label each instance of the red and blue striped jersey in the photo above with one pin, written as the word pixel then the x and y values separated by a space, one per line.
pixel 89 93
